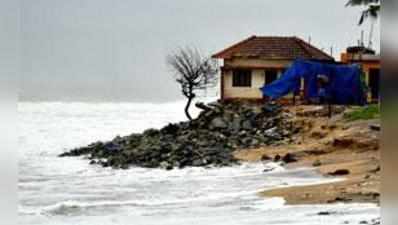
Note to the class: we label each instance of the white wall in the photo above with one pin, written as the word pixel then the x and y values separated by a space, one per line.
pixel 244 92
pixel 258 76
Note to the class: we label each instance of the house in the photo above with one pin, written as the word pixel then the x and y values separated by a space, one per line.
pixel 259 60
pixel 370 62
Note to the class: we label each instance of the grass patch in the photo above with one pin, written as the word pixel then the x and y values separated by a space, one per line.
pixel 363 113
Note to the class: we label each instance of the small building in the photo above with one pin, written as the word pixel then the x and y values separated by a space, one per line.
pixel 370 63
pixel 259 60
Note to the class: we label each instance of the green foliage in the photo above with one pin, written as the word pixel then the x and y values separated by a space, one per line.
pixel 363 113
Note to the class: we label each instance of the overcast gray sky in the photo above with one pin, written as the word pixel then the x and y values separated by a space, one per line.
pixel 106 50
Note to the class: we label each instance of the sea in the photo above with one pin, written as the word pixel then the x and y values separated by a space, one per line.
pixel 70 191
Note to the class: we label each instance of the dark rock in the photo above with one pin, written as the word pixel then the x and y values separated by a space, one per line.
pixel 170 129
pixel 377 169
pixel 325 213
pixel 151 132
pixel 219 123
pixel 124 167
pixel 343 142
pixel 235 125
pixel 342 199
pixel 277 158
pixel 289 158
pixel 265 157
pixel 202 106
pixel 266 170
pixel 340 172
pixel 247 125
pixel 197 162
pixel 112 147
pixel 164 164
pixel 317 163
pixel 375 127
pixel 376 221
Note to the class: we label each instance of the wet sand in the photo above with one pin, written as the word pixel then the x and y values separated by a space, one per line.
pixel 336 148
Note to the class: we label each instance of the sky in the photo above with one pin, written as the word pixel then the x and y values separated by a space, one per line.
pixel 105 50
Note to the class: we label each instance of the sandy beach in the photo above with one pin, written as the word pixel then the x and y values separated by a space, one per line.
pixel 336 148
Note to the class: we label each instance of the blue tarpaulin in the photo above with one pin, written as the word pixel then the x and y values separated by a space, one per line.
pixel 344 86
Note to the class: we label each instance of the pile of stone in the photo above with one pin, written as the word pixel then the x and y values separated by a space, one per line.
pixel 207 140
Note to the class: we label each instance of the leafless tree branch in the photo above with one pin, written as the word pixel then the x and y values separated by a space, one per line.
pixel 193 72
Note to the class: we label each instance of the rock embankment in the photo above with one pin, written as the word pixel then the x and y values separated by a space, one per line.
pixel 207 140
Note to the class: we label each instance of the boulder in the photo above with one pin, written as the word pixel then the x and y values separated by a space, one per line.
pixel 375 127
pixel 271 132
pixel 265 157
pixel 235 126
pixel 277 158
pixel 202 106
pixel 339 172
pixel 343 142
pixel 289 158
pixel 247 125
pixel 219 123
pixel 165 165
pixel 197 162
pixel 170 129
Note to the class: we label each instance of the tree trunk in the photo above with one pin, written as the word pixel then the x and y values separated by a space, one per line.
pixel 187 108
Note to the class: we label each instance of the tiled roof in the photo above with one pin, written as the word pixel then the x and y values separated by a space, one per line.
pixel 273 48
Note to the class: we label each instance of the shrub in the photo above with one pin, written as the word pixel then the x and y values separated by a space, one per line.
pixel 363 113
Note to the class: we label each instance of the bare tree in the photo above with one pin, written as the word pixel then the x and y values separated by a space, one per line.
pixel 193 72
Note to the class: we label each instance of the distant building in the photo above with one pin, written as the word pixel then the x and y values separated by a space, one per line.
pixel 370 62
pixel 256 61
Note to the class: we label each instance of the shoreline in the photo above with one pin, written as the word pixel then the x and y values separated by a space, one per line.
pixel 297 136
pixel 334 148
pixel 352 189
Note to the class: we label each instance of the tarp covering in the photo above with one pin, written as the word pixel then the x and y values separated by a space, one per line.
pixel 344 86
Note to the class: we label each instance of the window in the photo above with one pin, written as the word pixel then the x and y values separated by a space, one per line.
pixel 242 78
pixel 271 75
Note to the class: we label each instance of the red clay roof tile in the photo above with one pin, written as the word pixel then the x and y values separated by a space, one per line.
pixel 273 48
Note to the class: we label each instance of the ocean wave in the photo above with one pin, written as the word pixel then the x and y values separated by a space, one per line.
pixel 71 207
pixel 75 207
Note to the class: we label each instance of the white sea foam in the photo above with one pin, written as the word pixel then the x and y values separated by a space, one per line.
pixel 68 191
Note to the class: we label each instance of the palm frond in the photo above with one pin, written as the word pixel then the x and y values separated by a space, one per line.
pixel 361 2
pixel 372 11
